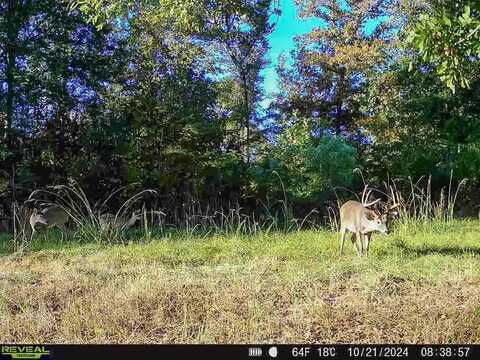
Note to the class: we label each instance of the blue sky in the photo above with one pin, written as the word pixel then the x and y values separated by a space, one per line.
pixel 288 25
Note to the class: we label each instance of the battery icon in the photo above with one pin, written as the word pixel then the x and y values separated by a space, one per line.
pixel 254 352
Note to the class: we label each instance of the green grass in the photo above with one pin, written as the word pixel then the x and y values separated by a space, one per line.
pixel 419 284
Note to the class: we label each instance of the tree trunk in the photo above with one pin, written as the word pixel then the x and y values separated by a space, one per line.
pixel 340 91
pixel 247 117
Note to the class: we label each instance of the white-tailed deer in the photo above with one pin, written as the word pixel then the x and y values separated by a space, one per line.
pixel 109 221
pixel 47 218
pixel 357 218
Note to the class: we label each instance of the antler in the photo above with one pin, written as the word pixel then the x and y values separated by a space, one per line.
pixel 370 204
pixel 365 197
pixel 363 194
pixel 394 198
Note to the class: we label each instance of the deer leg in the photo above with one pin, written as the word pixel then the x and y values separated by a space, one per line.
pixel 67 231
pixel 367 241
pixel 63 230
pixel 362 243
pixel 342 239
pixel 358 243
pixel 354 242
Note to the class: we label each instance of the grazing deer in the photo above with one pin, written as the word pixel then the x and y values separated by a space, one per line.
pixel 108 221
pixel 362 222
pixel 47 218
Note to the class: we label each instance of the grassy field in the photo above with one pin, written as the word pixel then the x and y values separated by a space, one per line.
pixel 419 284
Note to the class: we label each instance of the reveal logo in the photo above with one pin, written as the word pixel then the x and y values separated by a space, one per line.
pixel 25 352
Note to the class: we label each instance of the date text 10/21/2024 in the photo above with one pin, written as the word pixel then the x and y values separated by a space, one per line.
pixel 414 351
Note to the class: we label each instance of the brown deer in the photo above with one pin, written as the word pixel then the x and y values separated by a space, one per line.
pixel 109 221
pixel 47 218
pixel 357 218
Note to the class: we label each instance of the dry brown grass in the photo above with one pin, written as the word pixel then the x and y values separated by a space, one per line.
pixel 136 294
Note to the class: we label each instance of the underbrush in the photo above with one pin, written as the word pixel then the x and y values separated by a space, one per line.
pixel 417 207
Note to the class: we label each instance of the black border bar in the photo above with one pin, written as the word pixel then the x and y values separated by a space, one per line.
pixel 243 352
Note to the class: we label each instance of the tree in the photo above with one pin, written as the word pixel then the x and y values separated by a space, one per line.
pixel 307 167
pixel 238 31
pixel 53 67
pixel 421 128
pixel 447 35
pixel 193 91
pixel 234 33
pixel 333 64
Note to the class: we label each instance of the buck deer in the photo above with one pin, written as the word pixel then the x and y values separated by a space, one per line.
pixel 362 222
pixel 47 218
pixel 108 221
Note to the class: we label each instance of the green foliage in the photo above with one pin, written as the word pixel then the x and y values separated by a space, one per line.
pixel 466 163
pixel 333 159
pixel 307 166
pixel 448 36
pixel 183 13
pixel 421 127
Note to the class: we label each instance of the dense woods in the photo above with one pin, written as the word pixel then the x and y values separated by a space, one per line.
pixel 168 95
